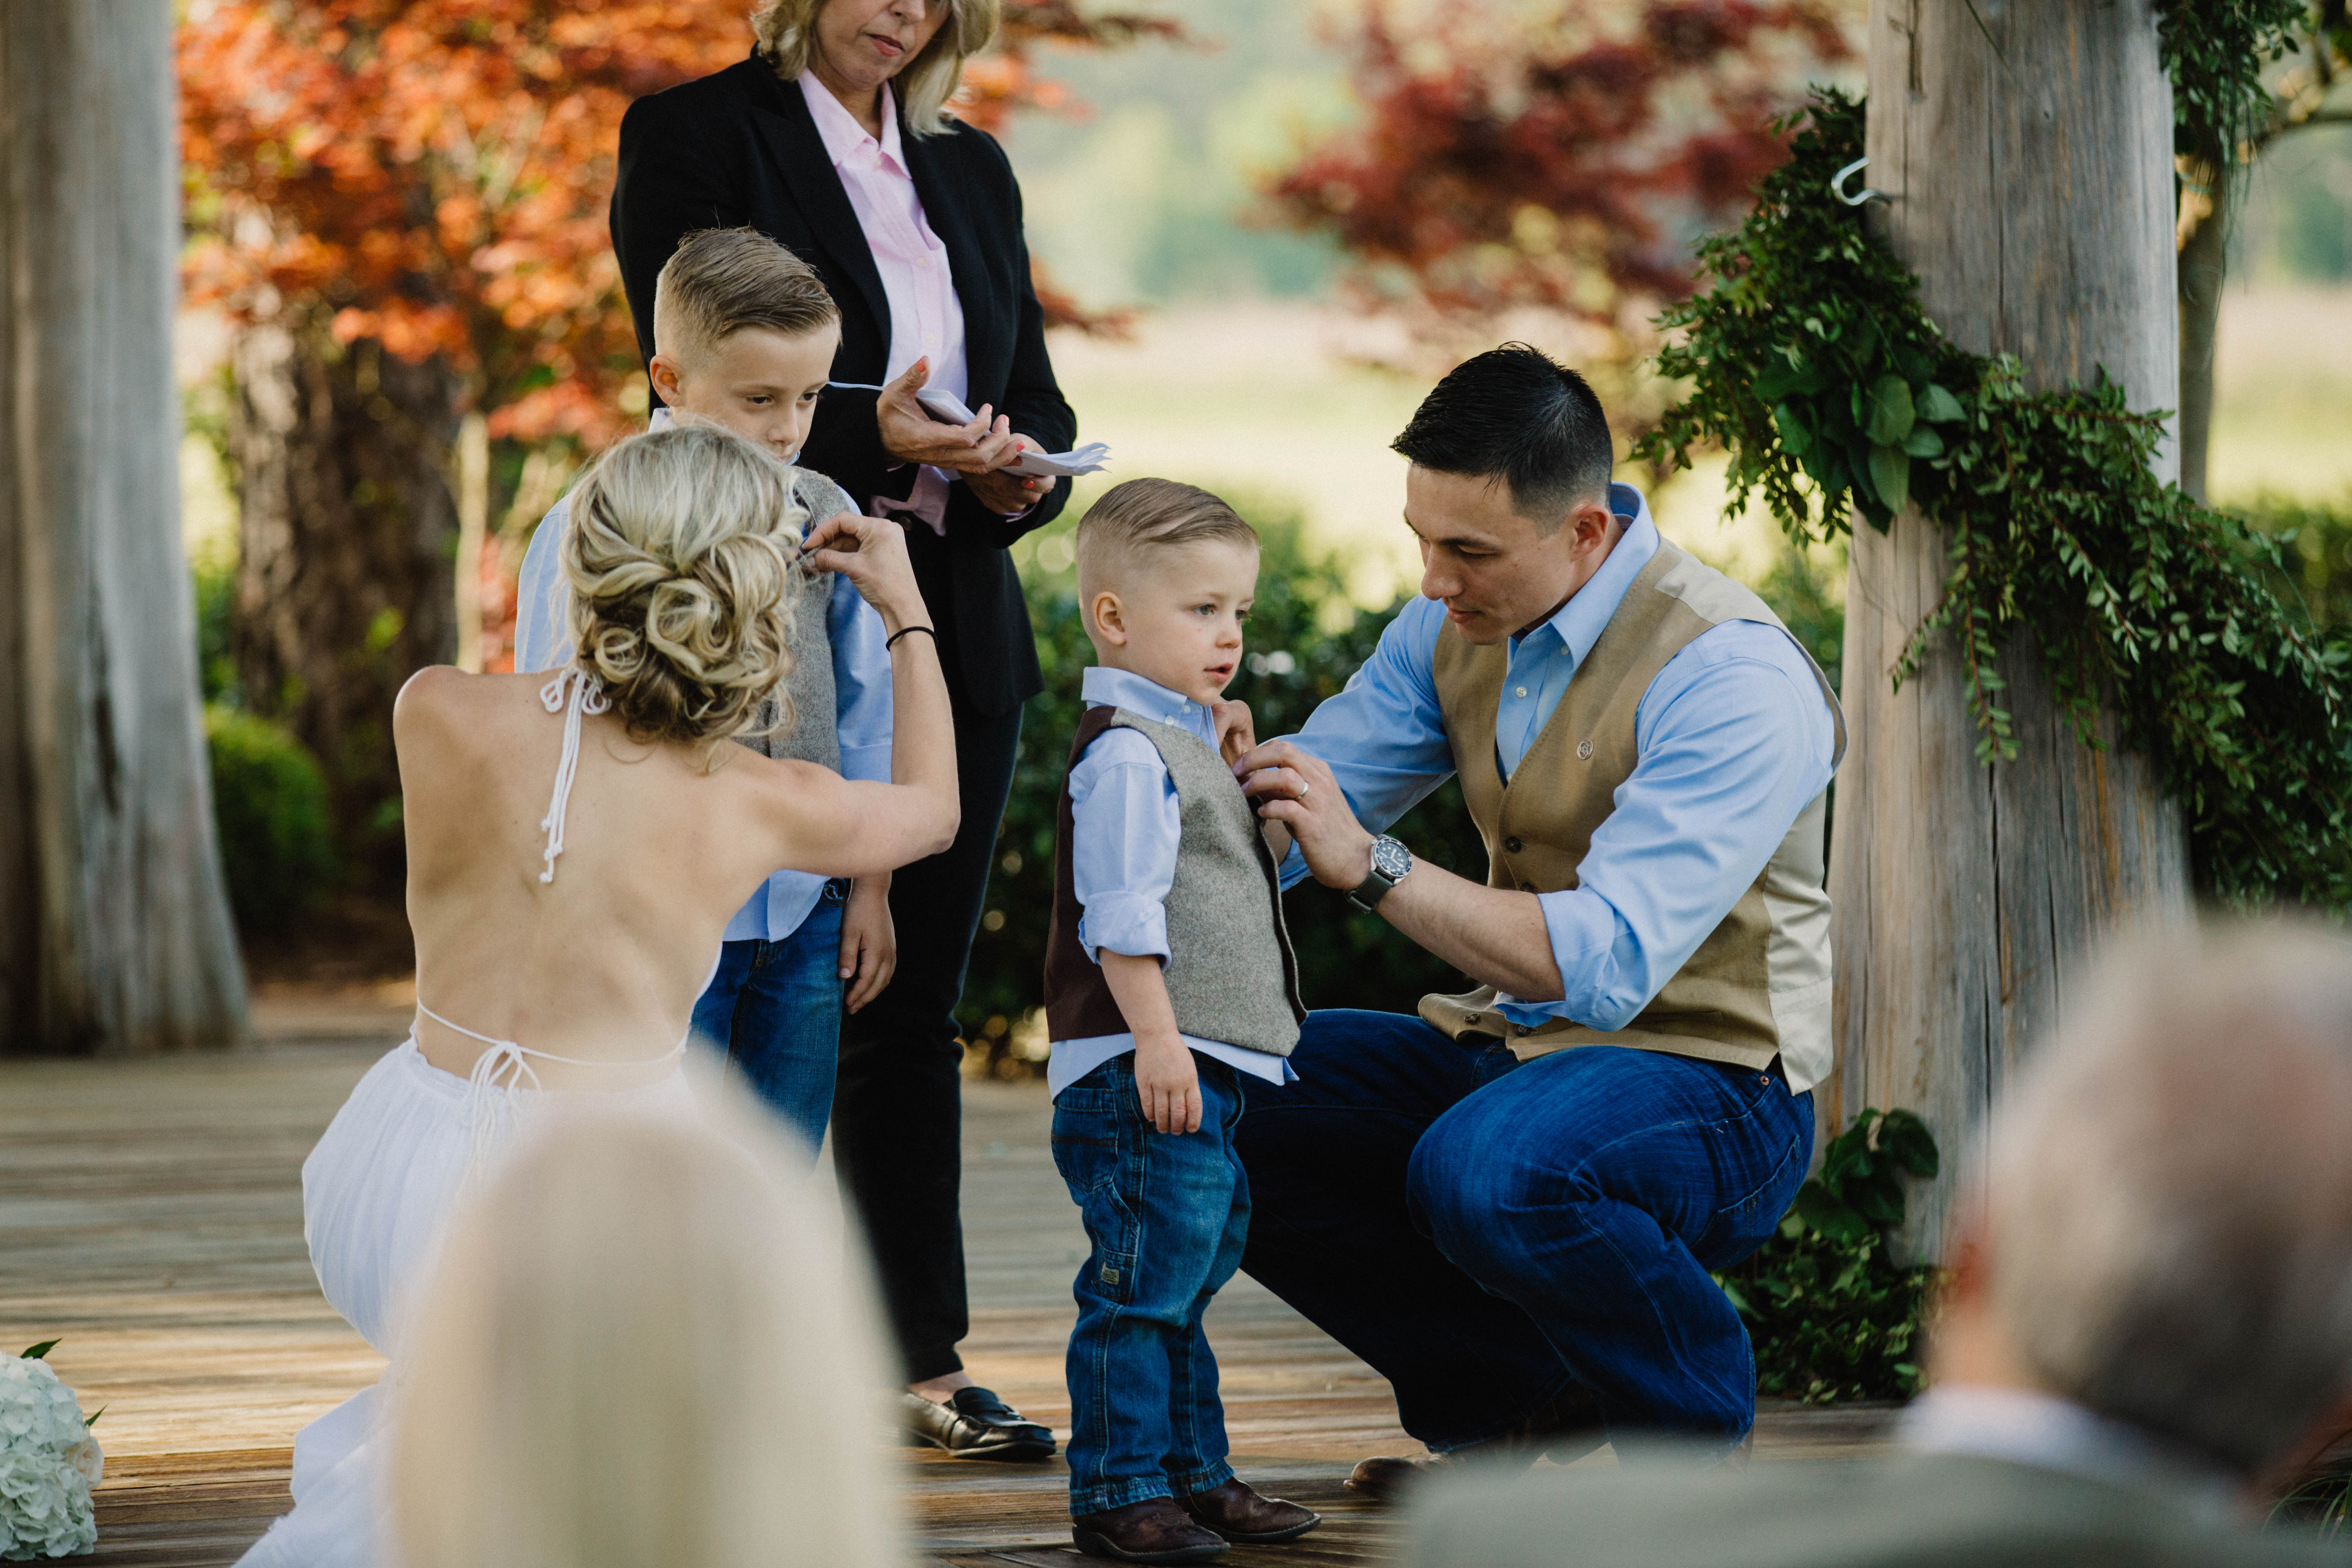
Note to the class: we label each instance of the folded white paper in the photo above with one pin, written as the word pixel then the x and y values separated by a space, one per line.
pixel 1090 458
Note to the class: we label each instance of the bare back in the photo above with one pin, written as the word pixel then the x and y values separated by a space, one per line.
pixel 602 961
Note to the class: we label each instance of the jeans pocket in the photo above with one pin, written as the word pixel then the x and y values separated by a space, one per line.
pixel 1086 1142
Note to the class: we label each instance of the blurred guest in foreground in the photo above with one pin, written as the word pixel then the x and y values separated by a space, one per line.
pixel 2145 1330
pixel 647 1349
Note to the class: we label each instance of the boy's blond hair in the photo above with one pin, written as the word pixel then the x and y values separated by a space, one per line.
pixel 720 281
pixel 1143 516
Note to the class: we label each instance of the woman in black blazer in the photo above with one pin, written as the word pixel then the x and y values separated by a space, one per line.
pixel 745 147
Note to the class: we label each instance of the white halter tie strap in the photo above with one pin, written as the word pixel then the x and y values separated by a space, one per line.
pixel 502 1071
pixel 505 1070
pixel 587 697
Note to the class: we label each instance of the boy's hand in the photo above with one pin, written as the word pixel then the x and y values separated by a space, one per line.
pixel 1167 1083
pixel 870 940
pixel 1236 730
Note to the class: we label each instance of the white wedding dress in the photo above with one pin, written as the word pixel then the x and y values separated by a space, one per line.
pixel 376 1197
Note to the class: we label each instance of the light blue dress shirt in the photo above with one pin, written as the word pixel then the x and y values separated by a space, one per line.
pixel 1125 827
pixel 861 684
pixel 1734 738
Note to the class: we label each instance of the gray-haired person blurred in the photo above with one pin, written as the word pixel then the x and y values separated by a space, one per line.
pixel 2147 1327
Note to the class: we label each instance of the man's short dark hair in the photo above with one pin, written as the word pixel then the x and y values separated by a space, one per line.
pixel 1517 415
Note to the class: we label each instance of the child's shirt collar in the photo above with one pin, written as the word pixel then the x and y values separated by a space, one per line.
pixel 1103 687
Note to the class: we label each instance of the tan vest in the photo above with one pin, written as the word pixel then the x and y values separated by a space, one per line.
pixel 1759 986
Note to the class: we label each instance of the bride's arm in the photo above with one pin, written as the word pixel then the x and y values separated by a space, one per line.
pixel 846 828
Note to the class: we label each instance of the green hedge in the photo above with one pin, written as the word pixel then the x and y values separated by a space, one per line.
pixel 269 805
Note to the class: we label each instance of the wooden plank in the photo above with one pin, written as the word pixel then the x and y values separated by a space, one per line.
pixel 151 1213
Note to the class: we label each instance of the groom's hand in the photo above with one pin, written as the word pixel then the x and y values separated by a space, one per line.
pixel 1297 790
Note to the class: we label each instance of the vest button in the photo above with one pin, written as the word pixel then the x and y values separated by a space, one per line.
pixel 1585 751
pixel 1513 845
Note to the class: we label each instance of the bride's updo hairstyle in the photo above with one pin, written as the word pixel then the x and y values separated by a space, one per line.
pixel 680 558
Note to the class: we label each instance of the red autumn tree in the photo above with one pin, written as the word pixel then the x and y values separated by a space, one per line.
pixel 400 204
pixel 1548 172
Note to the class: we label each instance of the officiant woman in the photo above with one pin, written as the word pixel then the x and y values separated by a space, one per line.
pixel 832 139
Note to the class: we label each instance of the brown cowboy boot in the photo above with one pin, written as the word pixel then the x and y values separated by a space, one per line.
pixel 1237 1512
pixel 1152 1530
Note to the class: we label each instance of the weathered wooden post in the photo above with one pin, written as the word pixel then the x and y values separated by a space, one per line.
pixel 114 934
pixel 2027 148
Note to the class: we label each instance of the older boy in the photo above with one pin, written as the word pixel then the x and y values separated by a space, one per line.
pixel 746 334
pixel 1167 978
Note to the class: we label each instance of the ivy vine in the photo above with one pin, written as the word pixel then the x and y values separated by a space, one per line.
pixel 1811 360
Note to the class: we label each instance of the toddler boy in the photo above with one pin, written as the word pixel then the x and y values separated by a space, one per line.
pixel 1169 979
pixel 745 334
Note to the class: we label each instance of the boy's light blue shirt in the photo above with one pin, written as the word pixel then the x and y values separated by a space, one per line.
pixel 861 684
pixel 1733 739
pixel 1125 827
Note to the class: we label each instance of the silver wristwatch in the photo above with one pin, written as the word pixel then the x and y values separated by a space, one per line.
pixel 1390 861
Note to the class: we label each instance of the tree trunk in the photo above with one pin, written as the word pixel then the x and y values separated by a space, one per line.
pixel 2204 266
pixel 343 587
pixel 114 931
pixel 2027 146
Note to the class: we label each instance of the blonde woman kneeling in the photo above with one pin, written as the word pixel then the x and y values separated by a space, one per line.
pixel 575 847
pixel 645 1341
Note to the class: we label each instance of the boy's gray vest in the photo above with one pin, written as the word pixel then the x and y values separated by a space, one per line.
pixel 1230 976
pixel 811 737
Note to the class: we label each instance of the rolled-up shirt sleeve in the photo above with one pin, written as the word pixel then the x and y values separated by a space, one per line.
pixel 861 684
pixel 1734 738
pixel 1125 827
pixel 1383 735
pixel 542 632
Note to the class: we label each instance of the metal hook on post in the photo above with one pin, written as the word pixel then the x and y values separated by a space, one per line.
pixel 1837 186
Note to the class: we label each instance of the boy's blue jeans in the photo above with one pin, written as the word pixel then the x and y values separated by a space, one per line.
pixel 1486 1232
pixel 776 1007
pixel 1168 1213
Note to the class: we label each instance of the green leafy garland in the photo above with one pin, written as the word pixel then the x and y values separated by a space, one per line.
pixel 1811 360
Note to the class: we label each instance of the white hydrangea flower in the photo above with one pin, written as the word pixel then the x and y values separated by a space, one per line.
pixel 38 1413
pixel 49 1462
pixel 45 1510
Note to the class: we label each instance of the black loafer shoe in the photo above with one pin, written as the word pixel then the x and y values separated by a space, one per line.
pixel 975 1424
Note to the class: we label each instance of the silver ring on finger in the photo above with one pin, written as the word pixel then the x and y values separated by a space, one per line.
pixel 1303 786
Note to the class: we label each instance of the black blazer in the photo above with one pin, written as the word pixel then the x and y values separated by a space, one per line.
pixel 739 148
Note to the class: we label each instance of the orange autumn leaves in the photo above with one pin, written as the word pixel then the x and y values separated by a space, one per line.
pixel 433 175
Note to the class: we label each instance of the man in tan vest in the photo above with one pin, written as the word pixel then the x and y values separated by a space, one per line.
pixel 1510 1204
pixel 2145 1332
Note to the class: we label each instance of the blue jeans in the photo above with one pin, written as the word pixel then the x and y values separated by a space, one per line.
pixel 776 1007
pixel 1167 1214
pixel 1486 1232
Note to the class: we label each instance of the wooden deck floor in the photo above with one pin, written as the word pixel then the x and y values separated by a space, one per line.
pixel 150 1216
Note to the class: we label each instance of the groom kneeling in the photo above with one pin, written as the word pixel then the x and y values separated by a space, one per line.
pixel 1510 1204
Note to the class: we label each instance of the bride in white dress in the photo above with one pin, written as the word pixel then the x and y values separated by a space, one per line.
pixel 576 846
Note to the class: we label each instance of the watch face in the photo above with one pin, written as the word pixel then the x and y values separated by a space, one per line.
pixel 1390 859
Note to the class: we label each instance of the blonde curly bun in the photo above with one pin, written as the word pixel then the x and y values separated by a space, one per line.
pixel 680 558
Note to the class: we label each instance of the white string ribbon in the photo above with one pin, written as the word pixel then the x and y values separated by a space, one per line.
pixel 587 697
